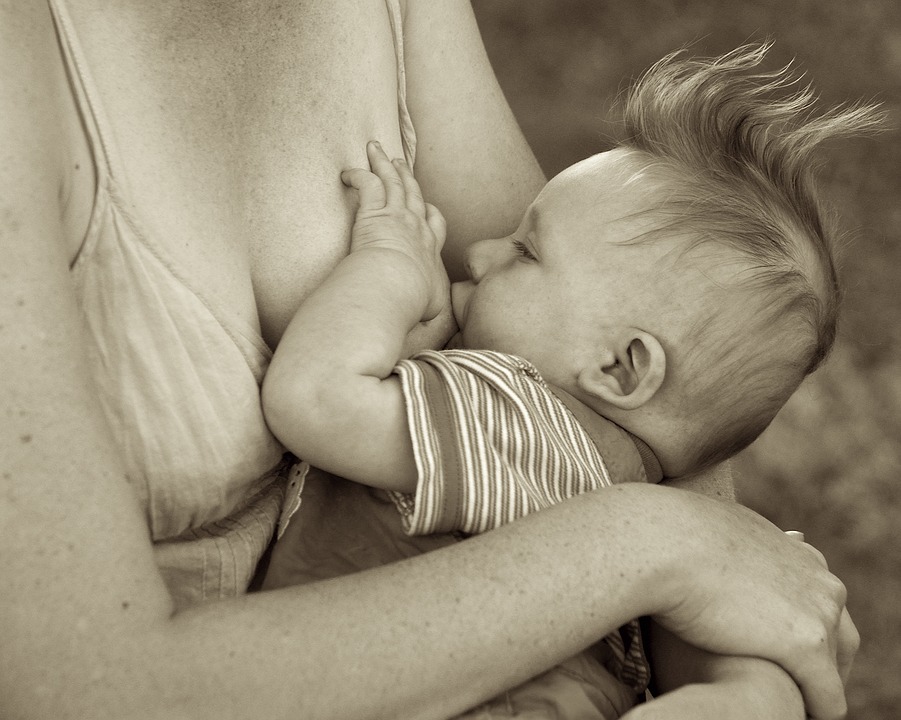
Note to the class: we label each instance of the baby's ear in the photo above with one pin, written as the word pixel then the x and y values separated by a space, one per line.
pixel 628 372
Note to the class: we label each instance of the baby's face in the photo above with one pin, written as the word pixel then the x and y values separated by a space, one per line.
pixel 552 290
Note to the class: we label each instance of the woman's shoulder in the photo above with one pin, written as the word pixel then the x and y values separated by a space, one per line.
pixel 47 166
pixel 29 92
pixel 29 40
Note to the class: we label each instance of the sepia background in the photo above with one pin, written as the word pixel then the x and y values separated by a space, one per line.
pixel 830 465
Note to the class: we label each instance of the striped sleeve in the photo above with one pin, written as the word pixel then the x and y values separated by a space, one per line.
pixel 491 442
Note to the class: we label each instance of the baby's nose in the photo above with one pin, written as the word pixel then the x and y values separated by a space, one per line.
pixel 478 258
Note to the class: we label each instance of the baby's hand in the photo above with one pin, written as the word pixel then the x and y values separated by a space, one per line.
pixel 741 689
pixel 393 216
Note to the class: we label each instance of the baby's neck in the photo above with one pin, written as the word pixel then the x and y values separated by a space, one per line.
pixel 602 429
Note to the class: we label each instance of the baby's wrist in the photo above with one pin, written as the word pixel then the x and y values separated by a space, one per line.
pixel 387 255
pixel 395 274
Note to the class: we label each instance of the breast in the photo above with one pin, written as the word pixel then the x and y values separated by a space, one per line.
pixel 232 122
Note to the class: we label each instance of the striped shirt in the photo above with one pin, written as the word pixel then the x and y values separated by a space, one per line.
pixel 493 443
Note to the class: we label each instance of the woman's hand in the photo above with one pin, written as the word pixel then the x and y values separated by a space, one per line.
pixel 393 216
pixel 736 585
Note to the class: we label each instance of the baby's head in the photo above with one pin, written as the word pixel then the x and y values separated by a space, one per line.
pixel 682 284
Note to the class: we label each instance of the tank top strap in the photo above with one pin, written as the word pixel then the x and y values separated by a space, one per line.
pixel 86 97
pixel 407 132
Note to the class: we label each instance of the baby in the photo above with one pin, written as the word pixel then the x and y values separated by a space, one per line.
pixel 655 308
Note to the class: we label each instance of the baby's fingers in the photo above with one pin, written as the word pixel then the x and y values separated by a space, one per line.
pixel 370 187
pixel 436 223
pixel 395 193
pixel 414 200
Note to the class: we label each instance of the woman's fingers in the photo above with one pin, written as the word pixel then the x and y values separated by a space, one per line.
pixel 821 668
pixel 848 644
pixel 816 553
pixel 847 637
pixel 823 691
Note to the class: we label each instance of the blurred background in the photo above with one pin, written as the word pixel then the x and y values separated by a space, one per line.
pixel 830 465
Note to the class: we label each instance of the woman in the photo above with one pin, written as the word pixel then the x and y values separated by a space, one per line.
pixel 170 193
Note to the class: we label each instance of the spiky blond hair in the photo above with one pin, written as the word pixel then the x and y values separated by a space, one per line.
pixel 737 148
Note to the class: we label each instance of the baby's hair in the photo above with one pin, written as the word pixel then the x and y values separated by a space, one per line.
pixel 737 164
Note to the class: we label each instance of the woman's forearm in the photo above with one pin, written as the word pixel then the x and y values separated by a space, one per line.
pixel 433 635
pixel 424 638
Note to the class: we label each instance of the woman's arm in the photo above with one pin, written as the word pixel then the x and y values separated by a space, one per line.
pixel 472 159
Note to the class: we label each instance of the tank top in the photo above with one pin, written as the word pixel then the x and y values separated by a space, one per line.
pixel 178 378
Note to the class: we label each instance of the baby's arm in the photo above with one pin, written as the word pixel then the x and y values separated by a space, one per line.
pixel 329 395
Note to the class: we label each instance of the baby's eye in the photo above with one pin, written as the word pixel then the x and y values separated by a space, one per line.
pixel 523 251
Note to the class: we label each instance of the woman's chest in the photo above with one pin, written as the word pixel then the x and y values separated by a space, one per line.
pixel 229 125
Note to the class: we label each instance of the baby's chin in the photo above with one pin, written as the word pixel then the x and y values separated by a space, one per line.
pixel 456 342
